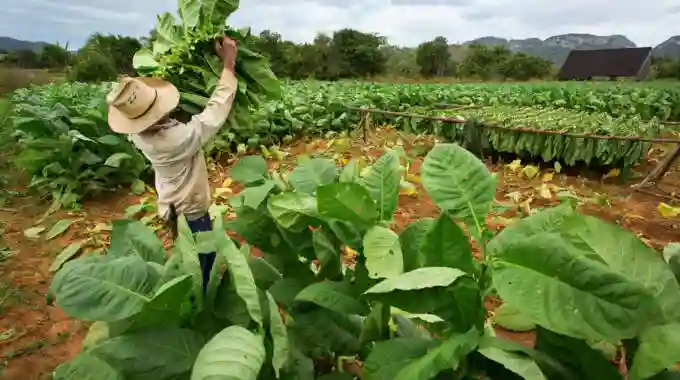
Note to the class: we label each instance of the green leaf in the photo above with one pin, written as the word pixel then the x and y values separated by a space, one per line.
pixel 659 349
pixel 138 187
pixel 174 352
pixel 215 12
pixel 382 181
pixel 311 174
pixel 519 364
pixel 671 253
pixel 389 357
pixel 189 11
pixel 116 159
pixel 143 59
pixel 279 334
pixel 327 330
pixel 239 272
pixel 255 195
pixel 584 361
pixel 350 173
pixel 446 292
pixel 446 245
pixel 458 183
pixel 446 356
pixel 97 333
pixel 512 319
pixel 234 353
pixel 411 240
pixel 168 307
pixel 59 228
pixel 66 255
pixel 336 296
pixel 347 201
pixel 34 232
pixel 293 211
pixel 327 254
pixel 249 169
pixel 264 273
pixel 135 238
pixel 383 253
pixel 102 289
pixel 560 288
pixel 86 366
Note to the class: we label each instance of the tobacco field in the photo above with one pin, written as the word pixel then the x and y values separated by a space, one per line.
pixel 396 255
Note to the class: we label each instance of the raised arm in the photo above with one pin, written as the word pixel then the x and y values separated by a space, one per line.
pixel 203 127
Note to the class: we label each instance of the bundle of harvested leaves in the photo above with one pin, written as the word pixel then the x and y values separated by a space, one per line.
pixel 183 53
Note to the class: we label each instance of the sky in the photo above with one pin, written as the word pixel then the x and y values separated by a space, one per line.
pixel 404 22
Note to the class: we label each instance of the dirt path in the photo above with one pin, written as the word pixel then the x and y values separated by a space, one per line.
pixel 34 337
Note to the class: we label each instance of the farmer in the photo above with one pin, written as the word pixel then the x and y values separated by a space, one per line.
pixel 142 108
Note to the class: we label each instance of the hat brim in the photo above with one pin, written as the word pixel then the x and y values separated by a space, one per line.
pixel 167 99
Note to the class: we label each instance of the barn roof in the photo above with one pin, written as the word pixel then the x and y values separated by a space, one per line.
pixel 625 62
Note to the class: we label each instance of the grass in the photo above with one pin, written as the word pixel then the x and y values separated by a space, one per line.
pixel 13 78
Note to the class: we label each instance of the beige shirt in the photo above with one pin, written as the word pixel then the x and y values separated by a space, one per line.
pixel 176 154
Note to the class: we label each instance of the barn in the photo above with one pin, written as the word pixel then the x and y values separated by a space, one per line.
pixel 607 63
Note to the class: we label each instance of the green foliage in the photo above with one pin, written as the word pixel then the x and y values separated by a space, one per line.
pixel 497 62
pixel 92 66
pixel 184 55
pixel 66 145
pixel 434 57
pixel 409 306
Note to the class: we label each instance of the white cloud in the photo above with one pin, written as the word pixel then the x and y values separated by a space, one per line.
pixel 404 22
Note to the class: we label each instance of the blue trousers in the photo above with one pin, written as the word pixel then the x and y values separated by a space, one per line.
pixel 207 260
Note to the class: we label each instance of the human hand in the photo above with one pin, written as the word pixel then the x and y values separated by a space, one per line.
pixel 227 51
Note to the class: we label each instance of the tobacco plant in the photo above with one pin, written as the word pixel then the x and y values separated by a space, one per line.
pixel 151 320
pixel 577 278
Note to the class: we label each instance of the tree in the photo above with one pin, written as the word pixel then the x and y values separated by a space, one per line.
pixel 24 59
pixel 119 49
pixel 520 66
pixel 92 66
pixel 483 61
pixel 433 57
pixel 54 56
pixel 273 47
pixel 401 62
pixel 358 53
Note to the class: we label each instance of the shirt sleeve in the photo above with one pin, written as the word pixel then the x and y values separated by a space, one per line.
pixel 204 126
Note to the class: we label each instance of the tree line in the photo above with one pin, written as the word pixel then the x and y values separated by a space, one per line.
pixel 344 54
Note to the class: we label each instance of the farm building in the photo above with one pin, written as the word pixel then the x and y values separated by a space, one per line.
pixel 607 63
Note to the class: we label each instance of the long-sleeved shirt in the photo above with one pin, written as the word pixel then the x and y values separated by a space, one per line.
pixel 175 151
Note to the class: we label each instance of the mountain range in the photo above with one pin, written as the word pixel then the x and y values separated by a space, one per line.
pixel 555 48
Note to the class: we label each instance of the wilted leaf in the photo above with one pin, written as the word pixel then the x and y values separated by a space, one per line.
pixel 59 228
pixel 33 233
pixel 66 255
pixel 544 191
pixel 515 166
pixel 668 211
pixel 530 171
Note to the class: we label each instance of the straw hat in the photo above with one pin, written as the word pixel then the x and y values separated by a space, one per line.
pixel 136 104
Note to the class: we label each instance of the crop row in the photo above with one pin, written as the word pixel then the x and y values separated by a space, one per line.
pixel 67 146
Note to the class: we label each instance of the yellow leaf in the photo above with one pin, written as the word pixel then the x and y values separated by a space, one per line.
pixel 514 166
pixel 515 196
pixel 612 173
pixel 407 188
pixel 530 171
pixel 544 191
pixel 503 221
pixel 558 167
pixel 227 182
pixel 413 178
pixel 222 191
pixel 547 177
pixel 634 216
pixel 668 211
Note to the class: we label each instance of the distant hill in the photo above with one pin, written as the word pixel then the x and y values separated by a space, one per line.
pixel 556 48
pixel 12 44
pixel 669 48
